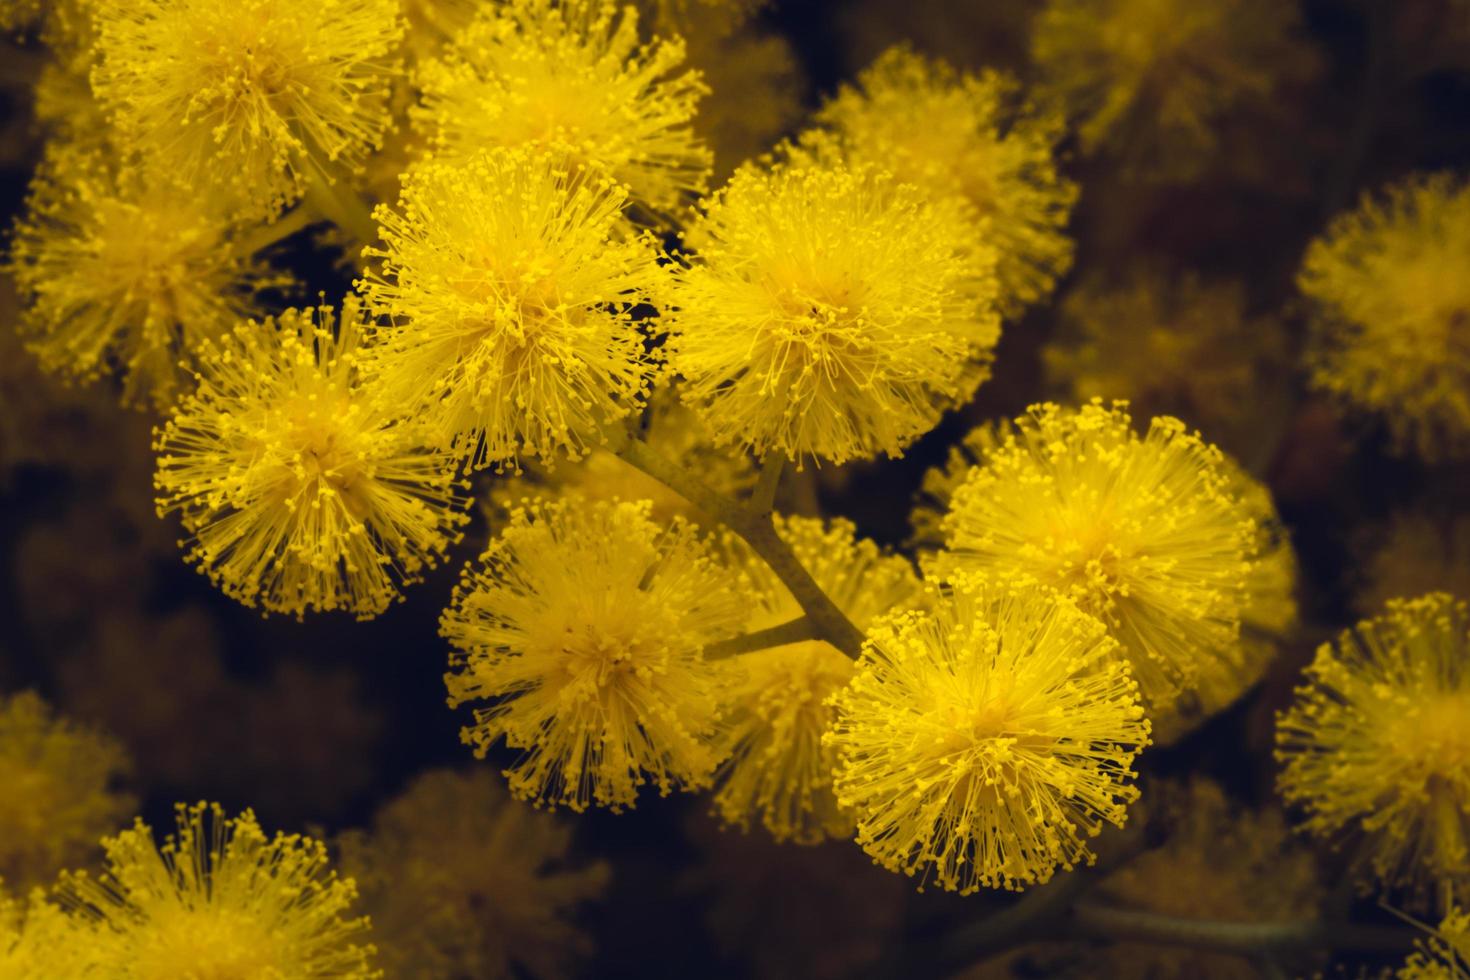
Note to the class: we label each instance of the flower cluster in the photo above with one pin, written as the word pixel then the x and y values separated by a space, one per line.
pixel 983 742
pixel 218 898
pixel 831 313
pixel 301 489
pixel 122 272
pixel 1152 80
pixel 582 281
pixel 573 77
pixel 60 793
pixel 583 626
pixel 510 288
pixel 1172 344
pixel 461 881
pixel 253 100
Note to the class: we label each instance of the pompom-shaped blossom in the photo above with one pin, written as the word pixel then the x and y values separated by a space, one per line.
pixel 1393 332
pixel 256 98
pixel 570 75
pixel 1151 80
pixel 983 742
pixel 299 487
pixel 1151 534
pixel 59 791
pixel 1174 345
pixel 777 701
pixel 122 273
pixel 831 313
pixel 1376 748
pixel 1220 862
pixel 462 881
pixel 1446 955
pixel 583 625
pixel 221 899
pixel 511 290
pixel 971 143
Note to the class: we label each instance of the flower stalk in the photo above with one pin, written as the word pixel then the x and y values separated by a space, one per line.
pixel 342 207
pixel 754 525
pixel 1253 939
pixel 791 631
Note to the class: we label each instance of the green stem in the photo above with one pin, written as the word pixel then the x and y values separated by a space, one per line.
pixel 344 209
pixel 791 631
pixel 763 498
pixel 266 235
pixel 1251 939
pixel 1035 914
pixel 829 622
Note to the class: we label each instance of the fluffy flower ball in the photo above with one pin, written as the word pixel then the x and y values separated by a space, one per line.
pixel 1376 749
pixel 220 899
pixel 301 489
pixel 120 272
pixel 983 742
pixel 254 98
pixel 582 627
pixel 1393 332
pixel 511 287
pixel 572 75
pixel 971 143
pixel 1268 602
pixel 831 313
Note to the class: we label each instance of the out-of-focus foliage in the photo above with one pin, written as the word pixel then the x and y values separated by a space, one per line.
pixel 61 793
pixel 462 881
